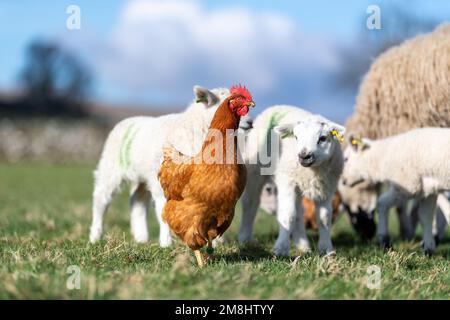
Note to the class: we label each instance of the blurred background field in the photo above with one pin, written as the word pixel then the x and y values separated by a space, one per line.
pixel 62 90
pixel 62 87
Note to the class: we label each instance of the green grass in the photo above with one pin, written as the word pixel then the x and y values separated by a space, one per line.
pixel 44 221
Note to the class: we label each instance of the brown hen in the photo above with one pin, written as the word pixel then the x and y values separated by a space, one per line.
pixel 202 191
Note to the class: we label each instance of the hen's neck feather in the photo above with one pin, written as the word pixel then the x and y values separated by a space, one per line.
pixel 224 120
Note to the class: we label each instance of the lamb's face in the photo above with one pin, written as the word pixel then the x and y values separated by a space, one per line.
pixel 316 139
pixel 269 198
pixel 314 143
pixel 246 123
pixel 354 171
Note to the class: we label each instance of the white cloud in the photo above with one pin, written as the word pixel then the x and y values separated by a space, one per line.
pixel 163 47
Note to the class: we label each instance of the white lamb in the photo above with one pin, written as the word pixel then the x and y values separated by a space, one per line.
pixel 132 153
pixel 309 163
pixel 360 202
pixel 415 164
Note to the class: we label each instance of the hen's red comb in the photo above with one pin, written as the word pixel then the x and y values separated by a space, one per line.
pixel 242 90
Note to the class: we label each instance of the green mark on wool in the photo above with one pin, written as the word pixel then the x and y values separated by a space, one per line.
pixel 273 122
pixel 275 119
pixel 125 149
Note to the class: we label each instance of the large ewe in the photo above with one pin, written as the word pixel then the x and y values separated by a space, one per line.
pixel 133 153
pixel 309 164
pixel 406 87
pixel 415 164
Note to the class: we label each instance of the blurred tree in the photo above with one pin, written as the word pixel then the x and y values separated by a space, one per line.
pixel 55 81
pixel 399 21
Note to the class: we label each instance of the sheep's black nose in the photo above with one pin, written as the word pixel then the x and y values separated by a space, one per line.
pixel 305 155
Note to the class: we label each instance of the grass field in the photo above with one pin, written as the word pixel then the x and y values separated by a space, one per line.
pixel 44 221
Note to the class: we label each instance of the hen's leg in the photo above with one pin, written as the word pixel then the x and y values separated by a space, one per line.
pixel 139 202
pixel 199 256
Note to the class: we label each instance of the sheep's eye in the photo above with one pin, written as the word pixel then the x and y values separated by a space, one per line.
pixel 345 159
pixel 322 139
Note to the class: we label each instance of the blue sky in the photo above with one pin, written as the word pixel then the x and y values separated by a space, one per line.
pixel 286 48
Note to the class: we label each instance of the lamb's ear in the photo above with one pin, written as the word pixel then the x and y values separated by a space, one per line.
pixel 205 96
pixel 336 130
pixel 354 141
pixel 285 130
pixel 357 143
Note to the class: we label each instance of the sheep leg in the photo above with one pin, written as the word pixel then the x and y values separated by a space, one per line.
pixel 405 224
pixel 218 241
pixel 165 239
pixel 439 225
pixel 444 206
pixel 324 217
pixel 139 202
pixel 434 227
pixel 414 215
pixel 386 201
pixel 104 190
pixel 250 203
pixel 427 208
pixel 286 216
pixel 441 218
pixel 299 232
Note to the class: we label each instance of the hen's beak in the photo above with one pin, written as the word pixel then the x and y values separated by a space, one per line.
pixel 250 104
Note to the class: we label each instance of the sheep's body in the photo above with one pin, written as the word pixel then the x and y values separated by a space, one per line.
pixel 411 174
pixel 417 173
pixel 403 91
pixel 317 183
pixel 133 153
pixel 406 87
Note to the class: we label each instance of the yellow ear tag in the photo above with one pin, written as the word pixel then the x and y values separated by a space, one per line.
pixel 356 142
pixel 339 136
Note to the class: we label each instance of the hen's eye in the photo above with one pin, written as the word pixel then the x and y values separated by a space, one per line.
pixel 322 139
